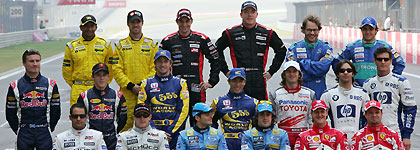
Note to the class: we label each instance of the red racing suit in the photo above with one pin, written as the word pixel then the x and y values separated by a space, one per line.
pixel 326 137
pixel 376 138
pixel 292 108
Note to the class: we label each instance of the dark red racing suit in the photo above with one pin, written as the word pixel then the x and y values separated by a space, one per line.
pixel 249 50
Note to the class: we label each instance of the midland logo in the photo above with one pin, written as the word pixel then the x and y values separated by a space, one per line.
pixel 346 111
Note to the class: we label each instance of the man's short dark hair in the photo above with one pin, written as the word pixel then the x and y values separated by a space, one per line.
pixel 283 78
pixel 341 63
pixel 29 52
pixel 313 19
pixel 77 105
pixel 255 119
pixel 381 50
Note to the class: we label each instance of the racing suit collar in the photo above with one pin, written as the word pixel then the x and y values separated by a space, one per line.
pixel 142 130
pixel 134 41
pixel 79 132
pixel 384 78
pixel 234 96
pixel 309 45
pixel 374 129
pixel 83 39
pixel 100 92
pixel 256 25
pixel 369 44
pixel 292 91
pixel 344 90
pixel 32 80
pixel 266 129
pixel 164 78
pixel 321 130
pixel 185 37
pixel 201 130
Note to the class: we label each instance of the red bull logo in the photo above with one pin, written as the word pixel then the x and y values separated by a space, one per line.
pixel 33 103
pixel 33 95
pixel 101 107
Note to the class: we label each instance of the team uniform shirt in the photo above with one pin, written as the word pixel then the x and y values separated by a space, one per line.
pixel 107 112
pixel 201 139
pixel 361 54
pixel 380 137
pixel 33 105
pixel 315 60
pixel 188 60
pixel 79 58
pixel 235 112
pixel 271 138
pixel 86 139
pixel 397 99
pixel 142 139
pixel 249 50
pixel 346 107
pixel 169 99
pixel 133 61
pixel 292 108
pixel 326 138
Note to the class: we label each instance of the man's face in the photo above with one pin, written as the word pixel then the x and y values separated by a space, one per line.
pixel 88 30
pixel 373 116
pixel 184 25
pixel 292 75
pixel 100 79
pixel 135 26
pixel 163 66
pixel 237 85
pixel 369 33
pixel 319 116
pixel 264 119
pixel 205 118
pixel 383 62
pixel 142 121
pixel 32 64
pixel 249 16
pixel 345 74
pixel 77 122
pixel 311 32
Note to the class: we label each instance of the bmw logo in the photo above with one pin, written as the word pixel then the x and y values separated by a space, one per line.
pixel 335 97
pixel 372 86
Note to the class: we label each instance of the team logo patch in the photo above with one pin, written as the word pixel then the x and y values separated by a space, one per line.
pixel 226 102
pixel 154 85
pixel 372 86
pixel 335 97
pixel 382 135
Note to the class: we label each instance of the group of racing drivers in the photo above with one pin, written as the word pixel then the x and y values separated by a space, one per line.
pixel 162 85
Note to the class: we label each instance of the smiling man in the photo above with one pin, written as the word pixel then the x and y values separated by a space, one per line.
pixel 188 49
pixel 313 55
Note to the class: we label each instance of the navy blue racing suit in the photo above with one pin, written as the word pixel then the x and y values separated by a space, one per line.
pixel 33 99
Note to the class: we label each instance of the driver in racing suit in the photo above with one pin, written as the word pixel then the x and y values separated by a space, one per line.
pixel 321 136
pixel 376 136
pixel 292 102
pixel 249 45
pixel 361 52
pixel 265 135
pixel 234 110
pixel 142 136
pixel 79 136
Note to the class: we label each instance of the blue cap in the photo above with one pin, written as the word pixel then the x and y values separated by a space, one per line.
pixel 237 72
pixel 369 21
pixel 201 108
pixel 165 53
pixel 248 4
pixel 264 106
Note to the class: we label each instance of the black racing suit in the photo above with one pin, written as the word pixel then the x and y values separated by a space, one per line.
pixel 29 103
pixel 249 50
pixel 106 109
pixel 187 55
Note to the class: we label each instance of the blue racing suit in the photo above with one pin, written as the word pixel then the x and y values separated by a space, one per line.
pixel 271 138
pixel 169 99
pixel 362 56
pixel 235 112
pixel 195 138
pixel 315 60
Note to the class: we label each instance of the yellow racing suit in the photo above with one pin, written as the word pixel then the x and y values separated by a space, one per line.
pixel 79 58
pixel 133 62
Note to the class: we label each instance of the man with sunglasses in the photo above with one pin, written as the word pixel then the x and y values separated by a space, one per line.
pixel 345 101
pixel 107 108
pixel 394 93
pixel 361 53
pixel 313 55
pixel 33 105
pixel 79 137
pixel 142 136
pixel 201 135
pixel 264 134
